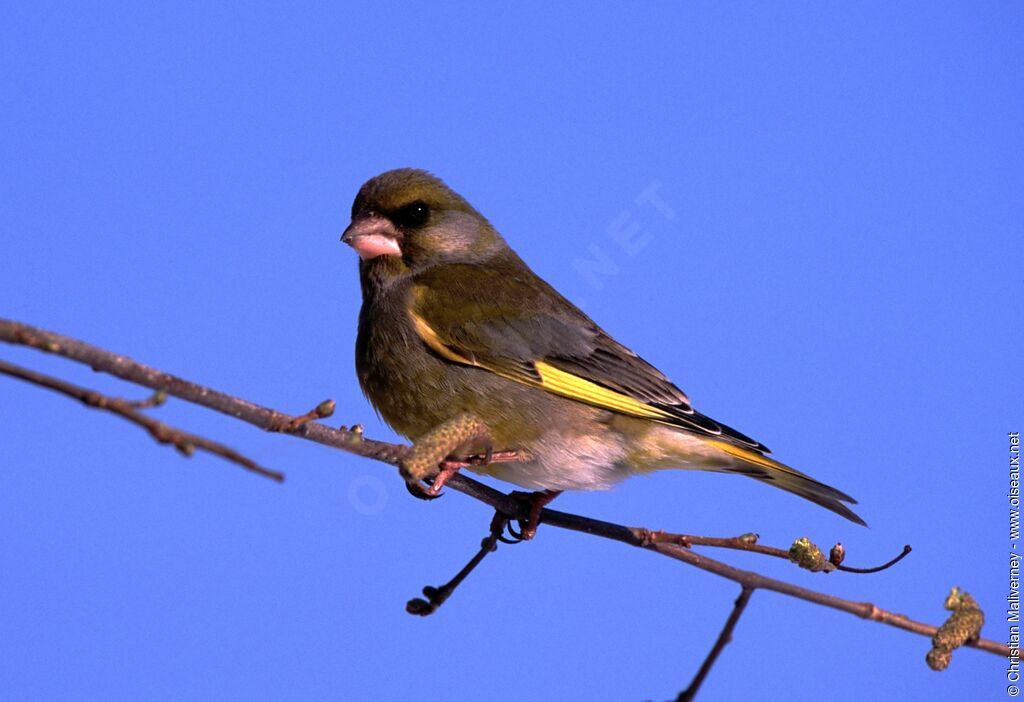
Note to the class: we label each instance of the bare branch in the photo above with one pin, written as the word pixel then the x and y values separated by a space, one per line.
pixel 675 546
pixel 185 442
pixel 690 693
pixel 748 542
pixel 322 411
pixel 865 610
pixel 126 369
pixel 436 596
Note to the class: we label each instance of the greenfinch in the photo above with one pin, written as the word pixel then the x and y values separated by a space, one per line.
pixel 466 351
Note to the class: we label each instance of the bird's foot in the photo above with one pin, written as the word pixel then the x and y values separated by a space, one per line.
pixel 430 458
pixel 431 491
pixel 536 502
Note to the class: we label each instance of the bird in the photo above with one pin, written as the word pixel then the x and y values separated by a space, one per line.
pixel 481 364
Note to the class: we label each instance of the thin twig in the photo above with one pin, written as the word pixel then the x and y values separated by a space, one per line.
pixel 185 442
pixel 322 411
pixel 155 400
pixel 353 442
pixel 865 610
pixel 724 638
pixel 878 569
pixel 126 369
pixel 436 596
pixel 748 542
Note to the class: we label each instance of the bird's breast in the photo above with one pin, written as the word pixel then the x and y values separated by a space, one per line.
pixel 405 383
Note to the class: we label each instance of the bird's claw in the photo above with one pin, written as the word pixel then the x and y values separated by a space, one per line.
pixel 536 502
pixel 484 460
pixel 515 535
pixel 432 490
pixel 421 491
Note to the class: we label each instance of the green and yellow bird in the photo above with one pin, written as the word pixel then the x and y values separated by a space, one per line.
pixel 463 349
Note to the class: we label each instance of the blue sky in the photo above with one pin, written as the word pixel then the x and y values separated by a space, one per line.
pixel 839 278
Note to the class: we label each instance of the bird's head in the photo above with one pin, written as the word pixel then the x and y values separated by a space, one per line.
pixel 407 220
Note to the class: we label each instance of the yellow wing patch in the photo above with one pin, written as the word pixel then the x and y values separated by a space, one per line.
pixel 552 379
pixel 576 388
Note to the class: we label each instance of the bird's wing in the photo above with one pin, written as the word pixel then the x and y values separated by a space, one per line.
pixel 512 323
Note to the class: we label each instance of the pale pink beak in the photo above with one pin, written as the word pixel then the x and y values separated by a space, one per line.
pixel 372 236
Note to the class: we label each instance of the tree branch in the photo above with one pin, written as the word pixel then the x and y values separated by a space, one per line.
pixel 748 543
pixel 185 442
pixel 690 693
pixel 436 596
pixel 352 441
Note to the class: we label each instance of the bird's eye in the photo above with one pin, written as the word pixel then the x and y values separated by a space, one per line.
pixel 414 214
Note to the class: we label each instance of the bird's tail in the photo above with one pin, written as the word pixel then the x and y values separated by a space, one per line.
pixel 758 466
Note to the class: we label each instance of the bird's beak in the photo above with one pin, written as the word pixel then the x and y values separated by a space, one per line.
pixel 372 236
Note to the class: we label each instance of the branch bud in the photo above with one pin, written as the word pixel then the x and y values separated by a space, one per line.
pixel 808 556
pixel 963 625
pixel 325 409
pixel 836 555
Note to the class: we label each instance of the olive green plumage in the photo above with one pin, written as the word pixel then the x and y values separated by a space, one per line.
pixel 454 323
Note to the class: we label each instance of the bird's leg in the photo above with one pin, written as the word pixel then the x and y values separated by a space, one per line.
pixel 429 455
pixel 537 502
